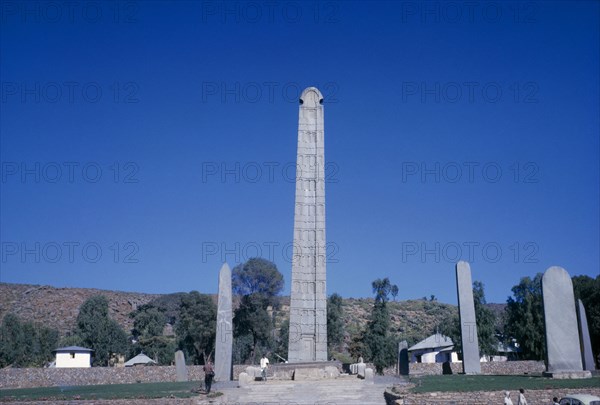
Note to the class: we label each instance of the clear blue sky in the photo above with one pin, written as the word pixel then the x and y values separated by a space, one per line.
pixel 143 142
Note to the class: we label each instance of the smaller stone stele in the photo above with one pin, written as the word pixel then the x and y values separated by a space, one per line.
pixel 587 356
pixel 244 380
pixel 403 363
pixel 468 322
pixel 180 367
pixel 369 375
pixel 563 350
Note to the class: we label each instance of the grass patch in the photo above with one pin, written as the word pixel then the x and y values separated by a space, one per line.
pixel 109 391
pixel 465 383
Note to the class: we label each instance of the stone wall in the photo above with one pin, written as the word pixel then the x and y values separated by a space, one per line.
pixel 537 397
pixel 48 377
pixel 489 368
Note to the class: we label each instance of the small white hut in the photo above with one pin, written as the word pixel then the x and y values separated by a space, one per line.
pixel 73 356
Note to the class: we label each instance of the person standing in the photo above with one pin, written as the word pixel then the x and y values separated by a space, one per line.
pixel 522 400
pixel 264 365
pixel 507 400
pixel 209 373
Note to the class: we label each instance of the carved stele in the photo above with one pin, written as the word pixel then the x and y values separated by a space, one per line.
pixel 468 323
pixel 224 343
pixel 308 307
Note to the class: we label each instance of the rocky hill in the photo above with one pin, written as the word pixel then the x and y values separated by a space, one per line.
pixel 58 308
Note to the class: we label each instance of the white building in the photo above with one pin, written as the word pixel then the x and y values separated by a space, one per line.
pixel 73 356
pixel 435 349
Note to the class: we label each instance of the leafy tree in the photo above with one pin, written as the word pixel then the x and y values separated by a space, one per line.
pixel 525 319
pixel 97 331
pixel 394 291
pixel 148 325
pixel 588 290
pixel 382 289
pixel 381 348
pixel 486 321
pixel 196 328
pixel 282 343
pixel 148 321
pixel 25 344
pixel 376 343
pixel 12 349
pixel 257 276
pixel 251 318
pixel 335 323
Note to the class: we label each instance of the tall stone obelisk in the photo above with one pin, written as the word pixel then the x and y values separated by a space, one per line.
pixel 224 341
pixel 308 307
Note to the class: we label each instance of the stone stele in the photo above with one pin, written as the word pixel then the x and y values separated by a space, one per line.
pixel 224 341
pixel 468 323
pixel 403 367
pixel 180 367
pixel 587 356
pixel 308 306
pixel 563 353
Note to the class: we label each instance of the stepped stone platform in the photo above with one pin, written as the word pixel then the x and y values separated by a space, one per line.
pixel 348 390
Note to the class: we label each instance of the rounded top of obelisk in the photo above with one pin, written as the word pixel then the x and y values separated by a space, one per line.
pixel 311 97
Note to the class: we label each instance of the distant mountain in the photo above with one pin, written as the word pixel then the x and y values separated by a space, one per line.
pixel 413 320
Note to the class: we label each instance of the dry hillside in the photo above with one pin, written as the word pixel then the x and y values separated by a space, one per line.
pixel 58 307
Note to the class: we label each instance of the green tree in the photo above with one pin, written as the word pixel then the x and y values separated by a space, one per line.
pixel 257 276
pixel 335 323
pixel 525 320
pixel 148 321
pixel 381 348
pixel 394 291
pixel 382 289
pixel 588 290
pixel 148 325
pixel 25 344
pixel 196 328
pixel 97 331
pixel 377 344
pixel 486 322
pixel 12 349
pixel 251 318
pixel 283 336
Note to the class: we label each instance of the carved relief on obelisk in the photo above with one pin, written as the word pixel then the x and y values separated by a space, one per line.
pixel 308 307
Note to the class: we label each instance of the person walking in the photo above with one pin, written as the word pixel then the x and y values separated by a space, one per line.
pixel 507 400
pixel 264 365
pixel 522 400
pixel 209 373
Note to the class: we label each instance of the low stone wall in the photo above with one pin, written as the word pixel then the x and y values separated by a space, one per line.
pixel 489 368
pixel 537 397
pixel 49 377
